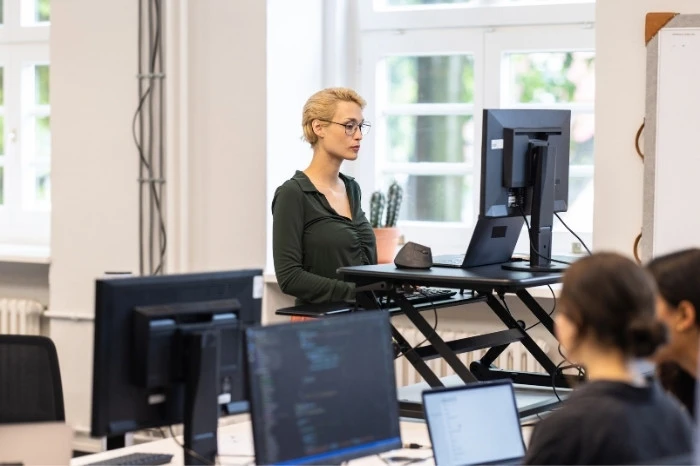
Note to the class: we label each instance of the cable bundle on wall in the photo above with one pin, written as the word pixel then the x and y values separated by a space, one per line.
pixel 148 126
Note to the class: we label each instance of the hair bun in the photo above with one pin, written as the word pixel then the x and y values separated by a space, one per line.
pixel 645 336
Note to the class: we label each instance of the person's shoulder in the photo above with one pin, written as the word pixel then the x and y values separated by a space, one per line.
pixel 289 190
pixel 295 184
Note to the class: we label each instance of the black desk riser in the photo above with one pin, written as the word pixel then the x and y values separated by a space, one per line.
pixel 487 283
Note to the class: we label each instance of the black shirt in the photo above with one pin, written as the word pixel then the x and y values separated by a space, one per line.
pixel 607 422
pixel 310 240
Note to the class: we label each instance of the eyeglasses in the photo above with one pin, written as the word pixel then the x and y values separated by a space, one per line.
pixel 351 127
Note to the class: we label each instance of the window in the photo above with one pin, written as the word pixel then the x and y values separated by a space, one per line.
pixel 25 122
pixel 426 87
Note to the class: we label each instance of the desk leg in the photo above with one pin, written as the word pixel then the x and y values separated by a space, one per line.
pixel 368 301
pixel 532 304
pixel 438 343
pixel 527 341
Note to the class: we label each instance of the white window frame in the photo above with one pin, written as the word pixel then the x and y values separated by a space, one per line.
pixel 457 29
pixel 549 38
pixel 22 45
pixel 375 47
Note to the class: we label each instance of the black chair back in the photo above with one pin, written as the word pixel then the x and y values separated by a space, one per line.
pixel 30 380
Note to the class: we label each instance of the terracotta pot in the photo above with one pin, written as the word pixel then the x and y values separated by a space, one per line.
pixel 387 244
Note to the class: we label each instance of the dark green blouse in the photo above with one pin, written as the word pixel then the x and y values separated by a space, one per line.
pixel 310 240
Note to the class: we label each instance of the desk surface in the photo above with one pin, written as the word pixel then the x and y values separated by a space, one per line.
pixel 236 447
pixel 489 276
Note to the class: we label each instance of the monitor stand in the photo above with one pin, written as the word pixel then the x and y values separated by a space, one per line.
pixel 201 407
pixel 542 217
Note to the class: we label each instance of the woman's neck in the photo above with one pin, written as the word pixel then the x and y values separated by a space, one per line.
pixel 609 365
pixel 324 168
pixel 688 360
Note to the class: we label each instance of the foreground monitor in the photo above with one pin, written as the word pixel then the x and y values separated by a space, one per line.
pixel 525 171
pixel 170 349
pixel 323 392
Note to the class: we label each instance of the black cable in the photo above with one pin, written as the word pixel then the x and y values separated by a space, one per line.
pixel 156 184
pixel 581 370
pixel 189 451
pixel 136 140
pixel 161 131
pixel 147 173
pixel 532 244
pixel 575 235
pixel 152 47
pixel 554 306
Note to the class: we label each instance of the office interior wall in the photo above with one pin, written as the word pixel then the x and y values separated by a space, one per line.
pixel 619 111
pixel 25 281
pixel 227 133
pixel 295 47
pixel 94 170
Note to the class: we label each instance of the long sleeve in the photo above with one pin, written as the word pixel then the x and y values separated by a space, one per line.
pixel 287 250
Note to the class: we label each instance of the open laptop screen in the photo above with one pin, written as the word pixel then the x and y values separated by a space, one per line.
pixel 474 424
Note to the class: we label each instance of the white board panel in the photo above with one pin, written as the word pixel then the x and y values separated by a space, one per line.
pixel 676 220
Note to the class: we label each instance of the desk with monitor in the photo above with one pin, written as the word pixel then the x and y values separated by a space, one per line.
pixel 524 171
pixel 488 283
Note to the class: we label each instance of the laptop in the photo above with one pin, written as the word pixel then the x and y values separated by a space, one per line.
pixel 492 242
pixel 476 423
pixel 36 443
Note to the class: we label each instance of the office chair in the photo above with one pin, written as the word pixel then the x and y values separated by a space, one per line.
pixel 30 380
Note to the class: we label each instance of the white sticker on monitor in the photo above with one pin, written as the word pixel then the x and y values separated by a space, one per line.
pixel 496 144
pixel 156 398
pixel 257 287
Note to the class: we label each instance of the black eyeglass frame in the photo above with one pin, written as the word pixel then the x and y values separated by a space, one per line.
pixel 352 126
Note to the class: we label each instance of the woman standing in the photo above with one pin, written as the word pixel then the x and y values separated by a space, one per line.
pixel 318 223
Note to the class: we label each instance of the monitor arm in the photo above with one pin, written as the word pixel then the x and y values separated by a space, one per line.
pixel 543 163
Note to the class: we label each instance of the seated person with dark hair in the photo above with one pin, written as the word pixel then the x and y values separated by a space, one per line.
pixel 677 278
pixel 605 320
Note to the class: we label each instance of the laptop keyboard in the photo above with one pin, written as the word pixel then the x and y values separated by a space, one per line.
pixel 453 260
pixel 427 295
pixel 136 459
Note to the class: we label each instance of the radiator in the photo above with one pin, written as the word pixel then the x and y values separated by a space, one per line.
pixel 20 316
pixel 515 357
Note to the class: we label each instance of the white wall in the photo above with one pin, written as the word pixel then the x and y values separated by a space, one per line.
pixel 227 131
pixel 295 44
pixel 94 169
pixel 619 111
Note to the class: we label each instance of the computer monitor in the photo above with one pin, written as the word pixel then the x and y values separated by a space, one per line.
pixel 323 392
pixel 525 171
pixel 170 349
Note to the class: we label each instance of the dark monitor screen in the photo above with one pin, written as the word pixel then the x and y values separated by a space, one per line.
pixel 323 392
pixel 138 364
pixel 506 166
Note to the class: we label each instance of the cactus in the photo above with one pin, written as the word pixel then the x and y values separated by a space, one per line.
pixel 393 204
pixel 376 208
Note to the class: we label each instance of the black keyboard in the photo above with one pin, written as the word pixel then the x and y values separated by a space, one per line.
pixel 136 459
pixel 428 295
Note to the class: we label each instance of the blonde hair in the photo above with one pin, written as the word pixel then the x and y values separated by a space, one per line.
pixel 322 106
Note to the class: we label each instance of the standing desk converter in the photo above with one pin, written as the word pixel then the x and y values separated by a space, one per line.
pixel 487 283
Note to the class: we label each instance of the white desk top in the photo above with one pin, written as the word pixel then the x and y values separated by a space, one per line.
pixel 236 447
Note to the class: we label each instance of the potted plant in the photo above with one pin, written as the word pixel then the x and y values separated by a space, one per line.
pixel 386 233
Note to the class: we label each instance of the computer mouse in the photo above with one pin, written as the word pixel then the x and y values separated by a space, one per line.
pixel 414 256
